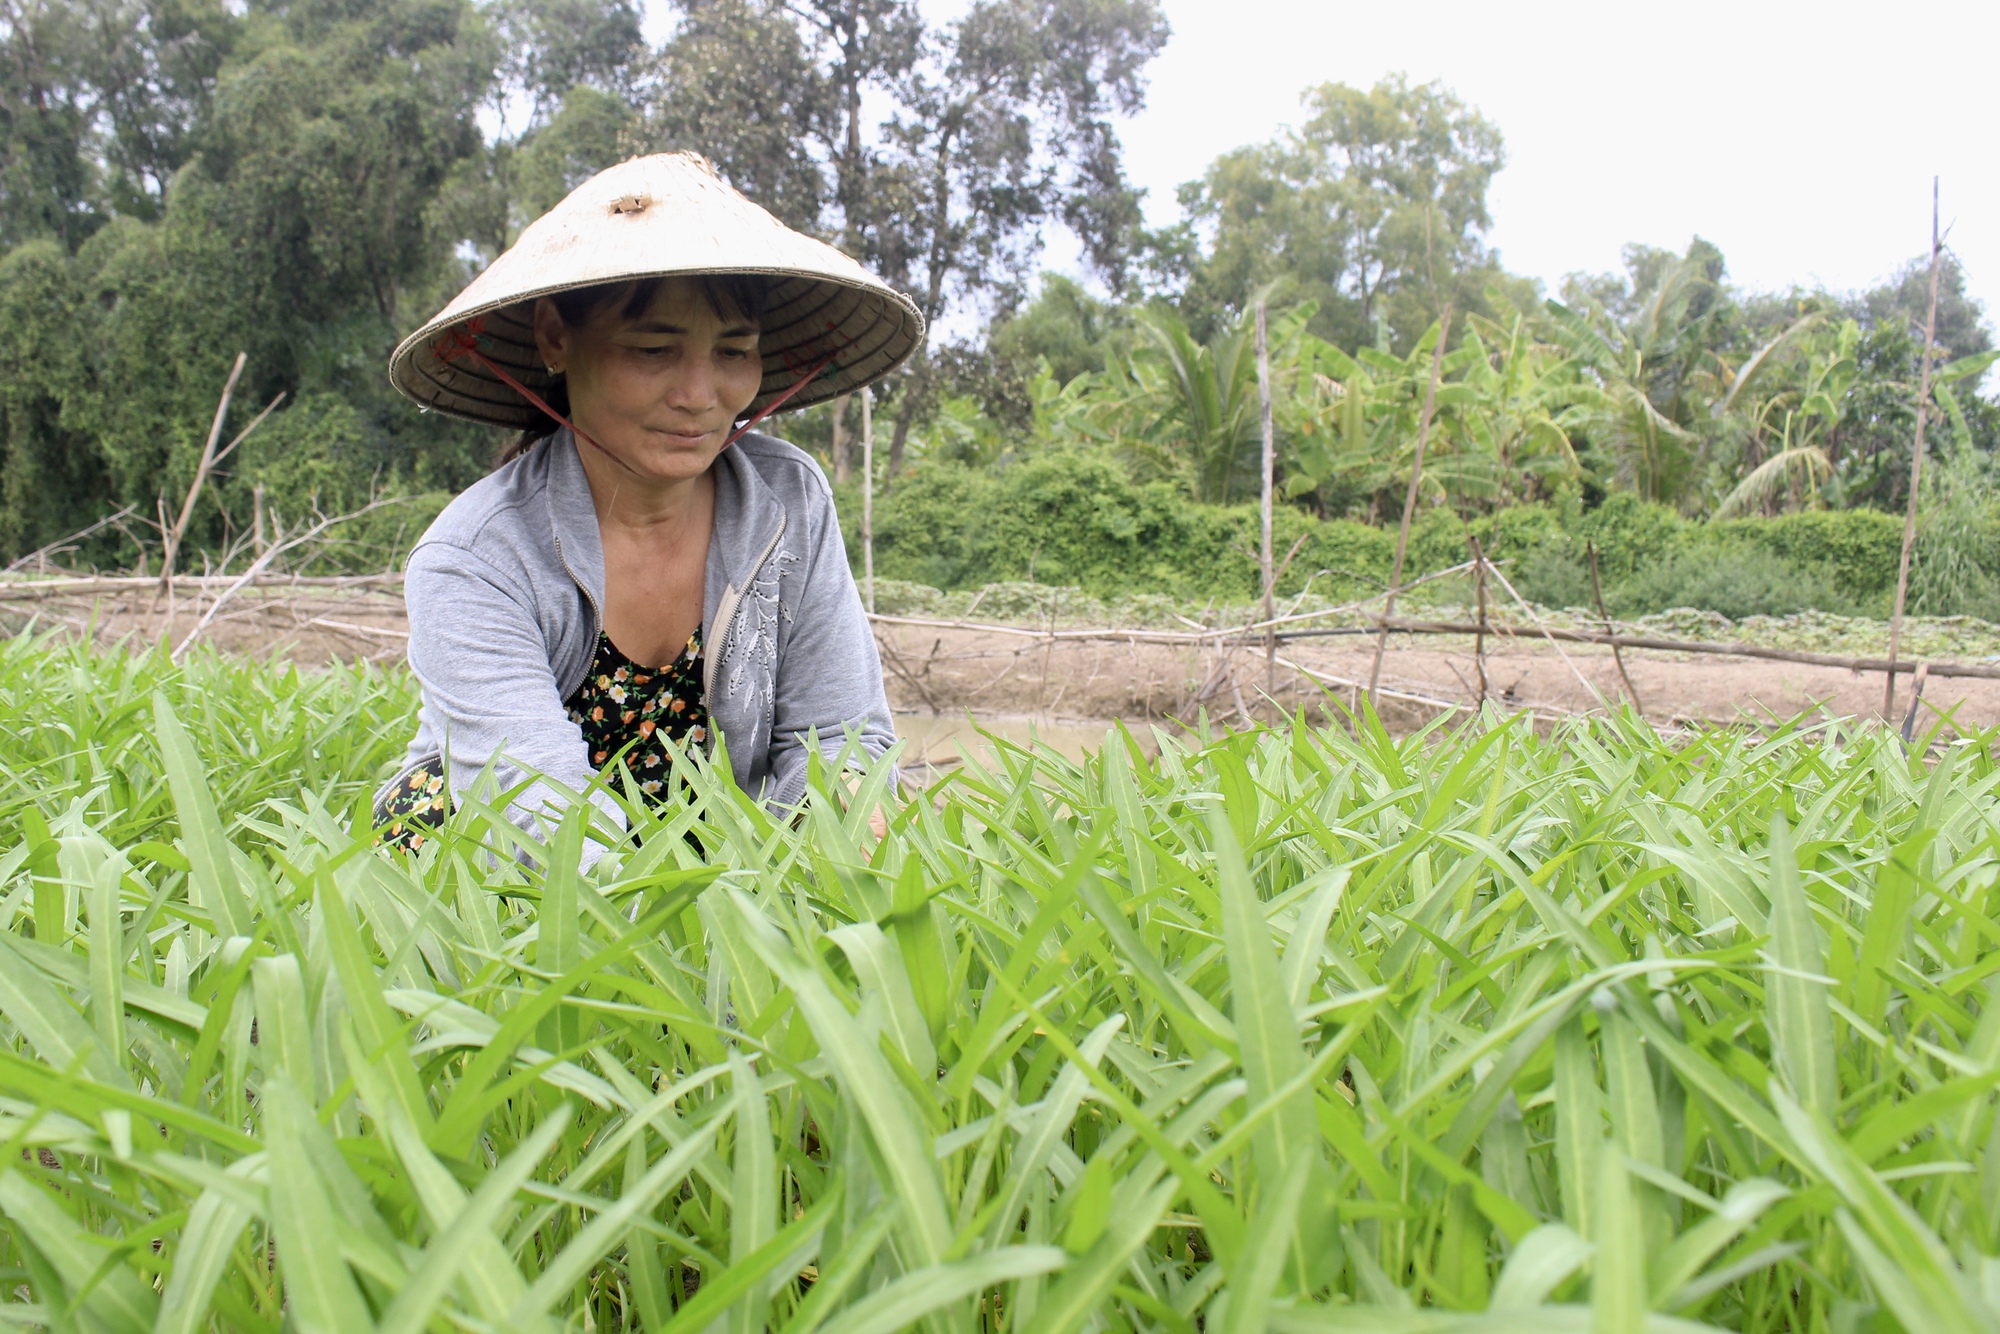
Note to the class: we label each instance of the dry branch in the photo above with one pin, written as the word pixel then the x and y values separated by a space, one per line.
pixel 1617 654
pixel 40 553
pixel 271 553
pixel 172 534
pixel 1977 671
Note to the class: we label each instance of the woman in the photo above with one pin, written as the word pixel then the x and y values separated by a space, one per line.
pixel 639 569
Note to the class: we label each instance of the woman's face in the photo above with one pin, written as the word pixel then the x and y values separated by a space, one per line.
pixel 660 390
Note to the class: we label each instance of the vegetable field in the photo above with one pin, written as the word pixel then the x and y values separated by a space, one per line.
pixel 1297 1029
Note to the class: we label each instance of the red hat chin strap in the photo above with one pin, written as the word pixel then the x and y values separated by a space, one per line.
pixel 460 343
pixel 781 399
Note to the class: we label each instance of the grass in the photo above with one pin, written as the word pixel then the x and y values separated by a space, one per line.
pixel 1301 1029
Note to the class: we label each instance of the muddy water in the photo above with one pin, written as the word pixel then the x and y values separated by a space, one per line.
pixel 943 741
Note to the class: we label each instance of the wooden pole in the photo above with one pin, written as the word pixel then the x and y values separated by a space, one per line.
pixel 1479 593
pixel 1916 470
pixel 1597 591
pixel 1410 498
pixel 1270 467
pixel 868 496
pixel 1916 698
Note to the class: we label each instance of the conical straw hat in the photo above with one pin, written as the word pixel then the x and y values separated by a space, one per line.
pixel 654 217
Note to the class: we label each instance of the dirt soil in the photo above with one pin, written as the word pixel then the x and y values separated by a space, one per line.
pixel 951 671
pixel 310 627
pixel 945 673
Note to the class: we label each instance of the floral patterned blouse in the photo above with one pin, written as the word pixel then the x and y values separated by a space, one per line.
pixel 619 704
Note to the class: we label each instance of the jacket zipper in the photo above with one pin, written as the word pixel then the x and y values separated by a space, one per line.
pixel 725 617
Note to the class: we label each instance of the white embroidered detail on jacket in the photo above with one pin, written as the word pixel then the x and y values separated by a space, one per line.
pixel 751 654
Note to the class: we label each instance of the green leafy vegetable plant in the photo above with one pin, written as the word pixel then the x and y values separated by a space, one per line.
pixel 1301 1029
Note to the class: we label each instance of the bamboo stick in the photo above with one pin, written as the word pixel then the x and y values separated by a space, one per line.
pixel 1269 467
pixel 36 590
pixel 1472 629
pixel 1479 594
pixel 1977 671
pixel 868 494
pixel 1916 469
pixel 843 465
pixel 1916 698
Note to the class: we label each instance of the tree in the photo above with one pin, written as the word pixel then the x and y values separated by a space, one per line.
pixel 993 126
pixel 1652 342
pixel 1065 324
pixel 864 46
pixel 554 46
pixel 49 473
pixel 1375 209
pixel 593 130
pixel 1007 129
pixel 1903 302
pixel 51 184
pixel 739 83
pixel 154 65
pixel 305 227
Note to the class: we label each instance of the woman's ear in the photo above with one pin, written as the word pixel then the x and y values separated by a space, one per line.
pixel 552 336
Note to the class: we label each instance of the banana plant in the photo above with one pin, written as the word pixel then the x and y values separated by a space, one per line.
pixel 1356 419
pixel 1800 467
pixel 1965 368
pixel 1518 415
pixel 1190 409
pixel 1654 380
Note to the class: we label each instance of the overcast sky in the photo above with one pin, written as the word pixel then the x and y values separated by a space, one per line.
pixel 1801 138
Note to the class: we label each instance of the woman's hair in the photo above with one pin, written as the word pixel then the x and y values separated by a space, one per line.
pixel 742 295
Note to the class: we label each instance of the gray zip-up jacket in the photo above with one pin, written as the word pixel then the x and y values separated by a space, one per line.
pixel 506 590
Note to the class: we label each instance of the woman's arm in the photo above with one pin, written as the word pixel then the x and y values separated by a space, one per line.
pixel 480 656
pixel 830 677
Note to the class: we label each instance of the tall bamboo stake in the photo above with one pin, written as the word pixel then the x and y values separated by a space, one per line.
pixel 1270 467
pixel 1916 469
pixel 1479 594
pixel 1410 499
pixel 868 495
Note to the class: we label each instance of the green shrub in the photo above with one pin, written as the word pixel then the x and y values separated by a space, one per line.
pixel 1858 549
pixel 1955 569
pixel 1554 577
pixel 1077 518
pixel 1736 579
